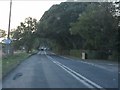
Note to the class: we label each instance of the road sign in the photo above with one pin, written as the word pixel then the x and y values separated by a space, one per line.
pixel 7 41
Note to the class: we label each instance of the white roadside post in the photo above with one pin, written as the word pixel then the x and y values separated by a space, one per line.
pixel 83 55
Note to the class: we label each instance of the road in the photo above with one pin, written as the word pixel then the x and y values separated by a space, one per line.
pixel 47 70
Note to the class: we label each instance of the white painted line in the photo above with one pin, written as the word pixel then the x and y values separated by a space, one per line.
pixel 96 85
pixel 114 79
pixel 49 57
pixel 39 52
pixel 66 57
pixel 82 81
pixel 53 53
pixel 75 73
pixel 95 65
pixel 82 77
pixel 110 64
pixel 44 52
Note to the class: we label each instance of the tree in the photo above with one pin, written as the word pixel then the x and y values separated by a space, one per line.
pixel 24 35
pixel 97 26
pixel 55 23
pixel 2 33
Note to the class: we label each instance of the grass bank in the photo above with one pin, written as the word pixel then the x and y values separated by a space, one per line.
pixel 10 62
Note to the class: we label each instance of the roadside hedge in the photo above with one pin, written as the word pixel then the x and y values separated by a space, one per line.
pixel 91 54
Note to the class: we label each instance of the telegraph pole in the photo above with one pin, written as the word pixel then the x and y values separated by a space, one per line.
pixel 8 40
pixel 9 20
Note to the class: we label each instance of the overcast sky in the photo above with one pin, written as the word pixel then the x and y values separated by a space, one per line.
pixel 23 9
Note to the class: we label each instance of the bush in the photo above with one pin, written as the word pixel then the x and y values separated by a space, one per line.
pixel 90 54
pixel 115 56
pixel 76 53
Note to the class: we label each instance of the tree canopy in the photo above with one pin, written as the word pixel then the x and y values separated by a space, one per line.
pixel 55 23
pixel 2 33
pixel 97 26
pixel 71 25
pixel 76 25
pixel 24 35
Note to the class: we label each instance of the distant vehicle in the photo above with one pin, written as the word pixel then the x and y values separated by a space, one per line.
pixel 42 49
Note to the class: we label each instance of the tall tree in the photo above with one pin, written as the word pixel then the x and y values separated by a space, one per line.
pixel 97 26
pixel 2 33
pixel 24 35
pixel 55 23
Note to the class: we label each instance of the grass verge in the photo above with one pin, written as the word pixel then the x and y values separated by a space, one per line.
pixel 10 62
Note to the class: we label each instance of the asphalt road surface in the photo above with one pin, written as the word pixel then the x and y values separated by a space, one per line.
pixel 47 70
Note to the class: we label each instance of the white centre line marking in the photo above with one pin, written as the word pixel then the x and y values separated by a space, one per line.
pixel 45 52
pixel 82 77
pixel 76 75
pixel 82 81
pixel 110 64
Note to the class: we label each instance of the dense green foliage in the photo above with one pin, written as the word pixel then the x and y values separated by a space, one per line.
pixel 72 25
pixel 24 35
pixel 55 24
pixel 80 25
pixel 2 33
pixel 99 31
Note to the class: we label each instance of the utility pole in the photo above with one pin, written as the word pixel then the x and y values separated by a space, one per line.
pixel 8 40
pixel 9 20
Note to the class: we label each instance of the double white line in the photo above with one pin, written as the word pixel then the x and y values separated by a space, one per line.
pixel 82 79
pixel 41 52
